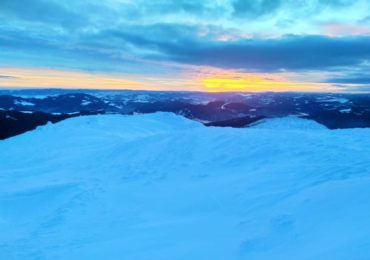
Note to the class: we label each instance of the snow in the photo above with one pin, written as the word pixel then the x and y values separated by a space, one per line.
pixel 345 110
pixel 246 95
pixel 223 106
pixel 23 103
pixel 10 117
pixel 333 99
pixel 159 186
pixel 288 123
pixel 342 100
pixel 142 98
pixel 37 96
pixel 85 102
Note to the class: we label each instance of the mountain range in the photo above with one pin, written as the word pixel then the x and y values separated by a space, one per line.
pixel 22 110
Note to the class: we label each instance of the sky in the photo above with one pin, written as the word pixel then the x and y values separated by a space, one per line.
pixel 208 45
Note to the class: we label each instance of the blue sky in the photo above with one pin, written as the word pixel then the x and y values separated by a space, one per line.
pixel 181 44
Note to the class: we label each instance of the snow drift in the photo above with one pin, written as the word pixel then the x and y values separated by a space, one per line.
pixel 159 186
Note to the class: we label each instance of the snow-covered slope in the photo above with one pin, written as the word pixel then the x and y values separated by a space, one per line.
pixel 288 123
pixel 159 186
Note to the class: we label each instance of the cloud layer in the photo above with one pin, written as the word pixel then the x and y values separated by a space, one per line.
pixel 168 37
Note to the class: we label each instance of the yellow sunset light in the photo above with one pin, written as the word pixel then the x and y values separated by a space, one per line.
pixel 256 83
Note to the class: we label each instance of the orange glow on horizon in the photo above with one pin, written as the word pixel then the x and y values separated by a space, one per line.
pixel 198 79
pixel 49 78
pixel 257 83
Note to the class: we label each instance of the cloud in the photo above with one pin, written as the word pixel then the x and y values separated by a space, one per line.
pixel 340 29
pixel 145 37
pixel 360 78
pixel 337 3
pixel 178 6
pixel 182 43
pixel 45 11
pixel 187 44
pixel 7 77
pixel 252 9
pixel 286 53
pixel 353 88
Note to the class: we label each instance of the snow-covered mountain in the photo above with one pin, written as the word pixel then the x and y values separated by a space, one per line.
pixel 159 186
pixel 23 110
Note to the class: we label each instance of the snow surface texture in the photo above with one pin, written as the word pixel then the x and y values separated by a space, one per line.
pixel 160 186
